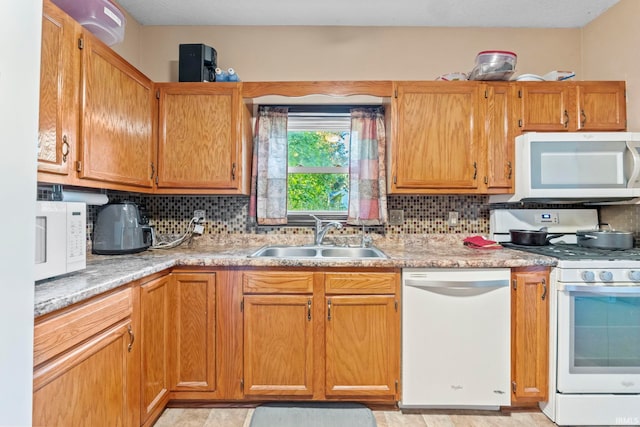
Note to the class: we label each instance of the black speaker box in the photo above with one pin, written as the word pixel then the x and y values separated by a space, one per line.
pixel 197 63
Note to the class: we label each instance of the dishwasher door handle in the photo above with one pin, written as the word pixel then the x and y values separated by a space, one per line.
pixel 453 284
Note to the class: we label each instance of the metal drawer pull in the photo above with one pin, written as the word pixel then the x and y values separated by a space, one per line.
pixel 544 289
pixel 132 338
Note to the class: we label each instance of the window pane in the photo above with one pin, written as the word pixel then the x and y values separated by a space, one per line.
pixel 318 149
pixel 317 192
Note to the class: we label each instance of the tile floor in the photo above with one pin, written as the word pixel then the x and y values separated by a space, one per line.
pixel 241 417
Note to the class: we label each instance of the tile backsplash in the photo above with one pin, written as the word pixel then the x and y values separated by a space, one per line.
pixel 170 215
pixel 229 214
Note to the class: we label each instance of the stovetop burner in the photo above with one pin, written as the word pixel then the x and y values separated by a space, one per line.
pixel 570 252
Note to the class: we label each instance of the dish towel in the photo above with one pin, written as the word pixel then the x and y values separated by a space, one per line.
pixel 479 242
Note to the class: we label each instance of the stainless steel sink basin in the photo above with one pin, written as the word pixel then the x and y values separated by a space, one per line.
pixel 317 252
pixel 339 252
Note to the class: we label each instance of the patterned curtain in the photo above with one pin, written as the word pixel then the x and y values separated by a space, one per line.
pixel 367 175
pixel 268 202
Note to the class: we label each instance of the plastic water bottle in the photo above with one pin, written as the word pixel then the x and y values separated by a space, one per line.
pixel 232 76
pixel 221 75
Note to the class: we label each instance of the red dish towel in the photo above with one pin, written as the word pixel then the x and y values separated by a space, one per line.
pixel 479 242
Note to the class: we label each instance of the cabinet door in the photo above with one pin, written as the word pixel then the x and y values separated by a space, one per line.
pixel 498 136
pixel 601 106
pixel 192 332
pixel 91 385
pixel 278 345
pixel 154 335
pixel 117 120
pixel 544 106
pixel 530 334
pixel 198 145
pixel 59 76
pixel 362 346
pixel 435 145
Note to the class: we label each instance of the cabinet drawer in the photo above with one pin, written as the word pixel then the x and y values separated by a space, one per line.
pixel 277 282
pixel 59 333
pixel 360 283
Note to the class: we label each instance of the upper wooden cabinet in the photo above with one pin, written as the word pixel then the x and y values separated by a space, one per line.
pixel 97 112
pixel 570 106
pixel 59 76
pixel 497 134
pixel 451 137
pixel 434 143
pixel 204 140
pixel 117 120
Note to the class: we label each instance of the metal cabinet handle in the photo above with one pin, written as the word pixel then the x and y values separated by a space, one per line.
pixel 475 170
pixel 65 148
pixel 329 310
pixel 233 171
pixel 544 289
pixel 132 338
pixel 566 119
pixel 510 167
pixel 584 116
pixel 309 309
pixel 153 170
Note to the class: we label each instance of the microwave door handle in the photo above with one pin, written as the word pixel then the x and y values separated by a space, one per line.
pixel 633 147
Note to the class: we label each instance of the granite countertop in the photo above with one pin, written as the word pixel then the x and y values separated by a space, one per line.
pixel 105 272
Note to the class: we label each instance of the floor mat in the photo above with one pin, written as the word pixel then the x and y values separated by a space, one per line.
pixel 312 414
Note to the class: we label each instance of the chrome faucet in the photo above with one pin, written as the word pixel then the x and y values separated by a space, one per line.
pixel 322 227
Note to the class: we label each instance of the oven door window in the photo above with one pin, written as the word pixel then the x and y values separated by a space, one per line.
pixel 606 333
pixel 599 340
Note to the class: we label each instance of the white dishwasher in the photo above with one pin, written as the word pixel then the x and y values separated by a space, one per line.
pixel 456 338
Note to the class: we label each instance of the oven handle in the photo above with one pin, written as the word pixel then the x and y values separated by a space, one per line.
pixel 603 289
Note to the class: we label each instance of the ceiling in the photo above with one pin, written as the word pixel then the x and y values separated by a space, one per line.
pixel 429 13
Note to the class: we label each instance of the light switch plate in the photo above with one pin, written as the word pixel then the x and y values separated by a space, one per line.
pixel 453 219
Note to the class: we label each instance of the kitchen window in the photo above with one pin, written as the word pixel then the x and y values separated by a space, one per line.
pixel 325 161
pixel 318 162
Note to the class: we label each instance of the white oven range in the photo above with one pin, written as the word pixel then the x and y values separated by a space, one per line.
pixel 594 324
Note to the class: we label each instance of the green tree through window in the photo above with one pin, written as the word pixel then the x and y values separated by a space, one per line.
pixel 318 165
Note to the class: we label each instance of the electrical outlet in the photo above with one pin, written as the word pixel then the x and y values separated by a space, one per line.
pixel 453 219
pixel 201 214
pixel 396 217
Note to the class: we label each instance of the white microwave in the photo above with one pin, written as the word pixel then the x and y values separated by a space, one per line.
pixel 575 167
pixel 61 242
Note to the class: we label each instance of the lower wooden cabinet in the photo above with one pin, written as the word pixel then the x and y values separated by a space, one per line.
pixel 154 336
pixel 192 332
pixel 87 365
pixel 529 334
pixel 362 341
pixel 278 345
pixel 317 335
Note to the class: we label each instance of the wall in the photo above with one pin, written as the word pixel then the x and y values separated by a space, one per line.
pixel 19 80
pixel 356 53
pixel 609 51
pixel 129 49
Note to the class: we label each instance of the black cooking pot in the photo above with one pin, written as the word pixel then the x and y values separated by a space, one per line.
pixel 531 237
pixel 605 239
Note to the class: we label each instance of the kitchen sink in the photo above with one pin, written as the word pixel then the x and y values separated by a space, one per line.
pixel 318 252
